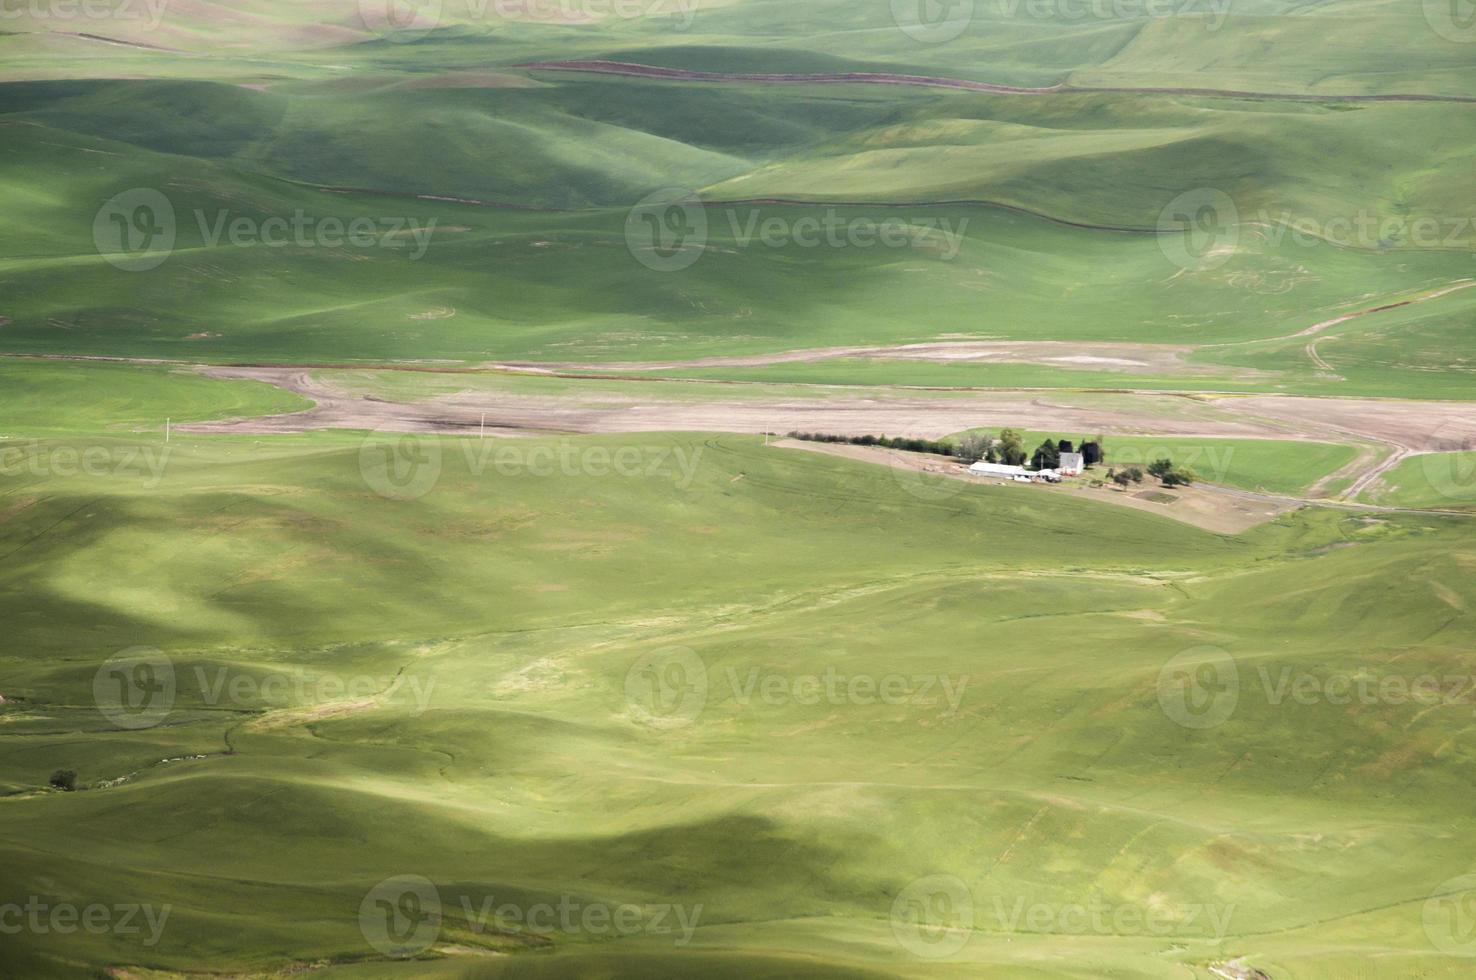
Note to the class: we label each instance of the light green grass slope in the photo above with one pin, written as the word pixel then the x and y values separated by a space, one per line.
pixel 518 606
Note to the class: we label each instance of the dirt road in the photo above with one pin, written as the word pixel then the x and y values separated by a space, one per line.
pixel 1386 430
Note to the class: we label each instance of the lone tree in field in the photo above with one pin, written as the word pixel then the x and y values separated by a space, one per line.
pixel 1047 457
pixel 64 779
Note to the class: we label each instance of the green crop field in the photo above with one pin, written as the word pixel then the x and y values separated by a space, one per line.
pixel 402 579
pixel 1440 480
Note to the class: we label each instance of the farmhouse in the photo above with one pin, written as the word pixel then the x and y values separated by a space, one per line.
pixel 1071 464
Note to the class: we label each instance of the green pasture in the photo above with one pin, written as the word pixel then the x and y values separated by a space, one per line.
pixel 349 665
pixel 62 398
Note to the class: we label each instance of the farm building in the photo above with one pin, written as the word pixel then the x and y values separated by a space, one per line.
pixel 1071 464
pixel 1007 472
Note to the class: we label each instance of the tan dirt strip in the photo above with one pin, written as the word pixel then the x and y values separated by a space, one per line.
pixel 604 67
pixel 1106 356
pixel 1406 425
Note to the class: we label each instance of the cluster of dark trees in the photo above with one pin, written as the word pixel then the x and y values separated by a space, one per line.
pixel 1164 469
pixel 1008 448
pixel 1171 475
pixel 890 442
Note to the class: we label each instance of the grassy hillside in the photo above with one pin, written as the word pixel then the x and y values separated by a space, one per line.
pixel 496 622
pixel 486 283
pixel 689 705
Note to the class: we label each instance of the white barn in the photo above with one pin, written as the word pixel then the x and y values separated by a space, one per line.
pixel 1004 470
pixel 1072 464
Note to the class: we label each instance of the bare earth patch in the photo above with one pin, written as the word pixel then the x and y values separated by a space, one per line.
pixel 1168 359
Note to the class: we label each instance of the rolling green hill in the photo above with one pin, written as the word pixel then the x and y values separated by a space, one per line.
pixel 366 705
pixel 497 619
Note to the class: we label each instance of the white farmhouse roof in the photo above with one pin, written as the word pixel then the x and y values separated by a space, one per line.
pixel 1072 462
pixel 982 468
